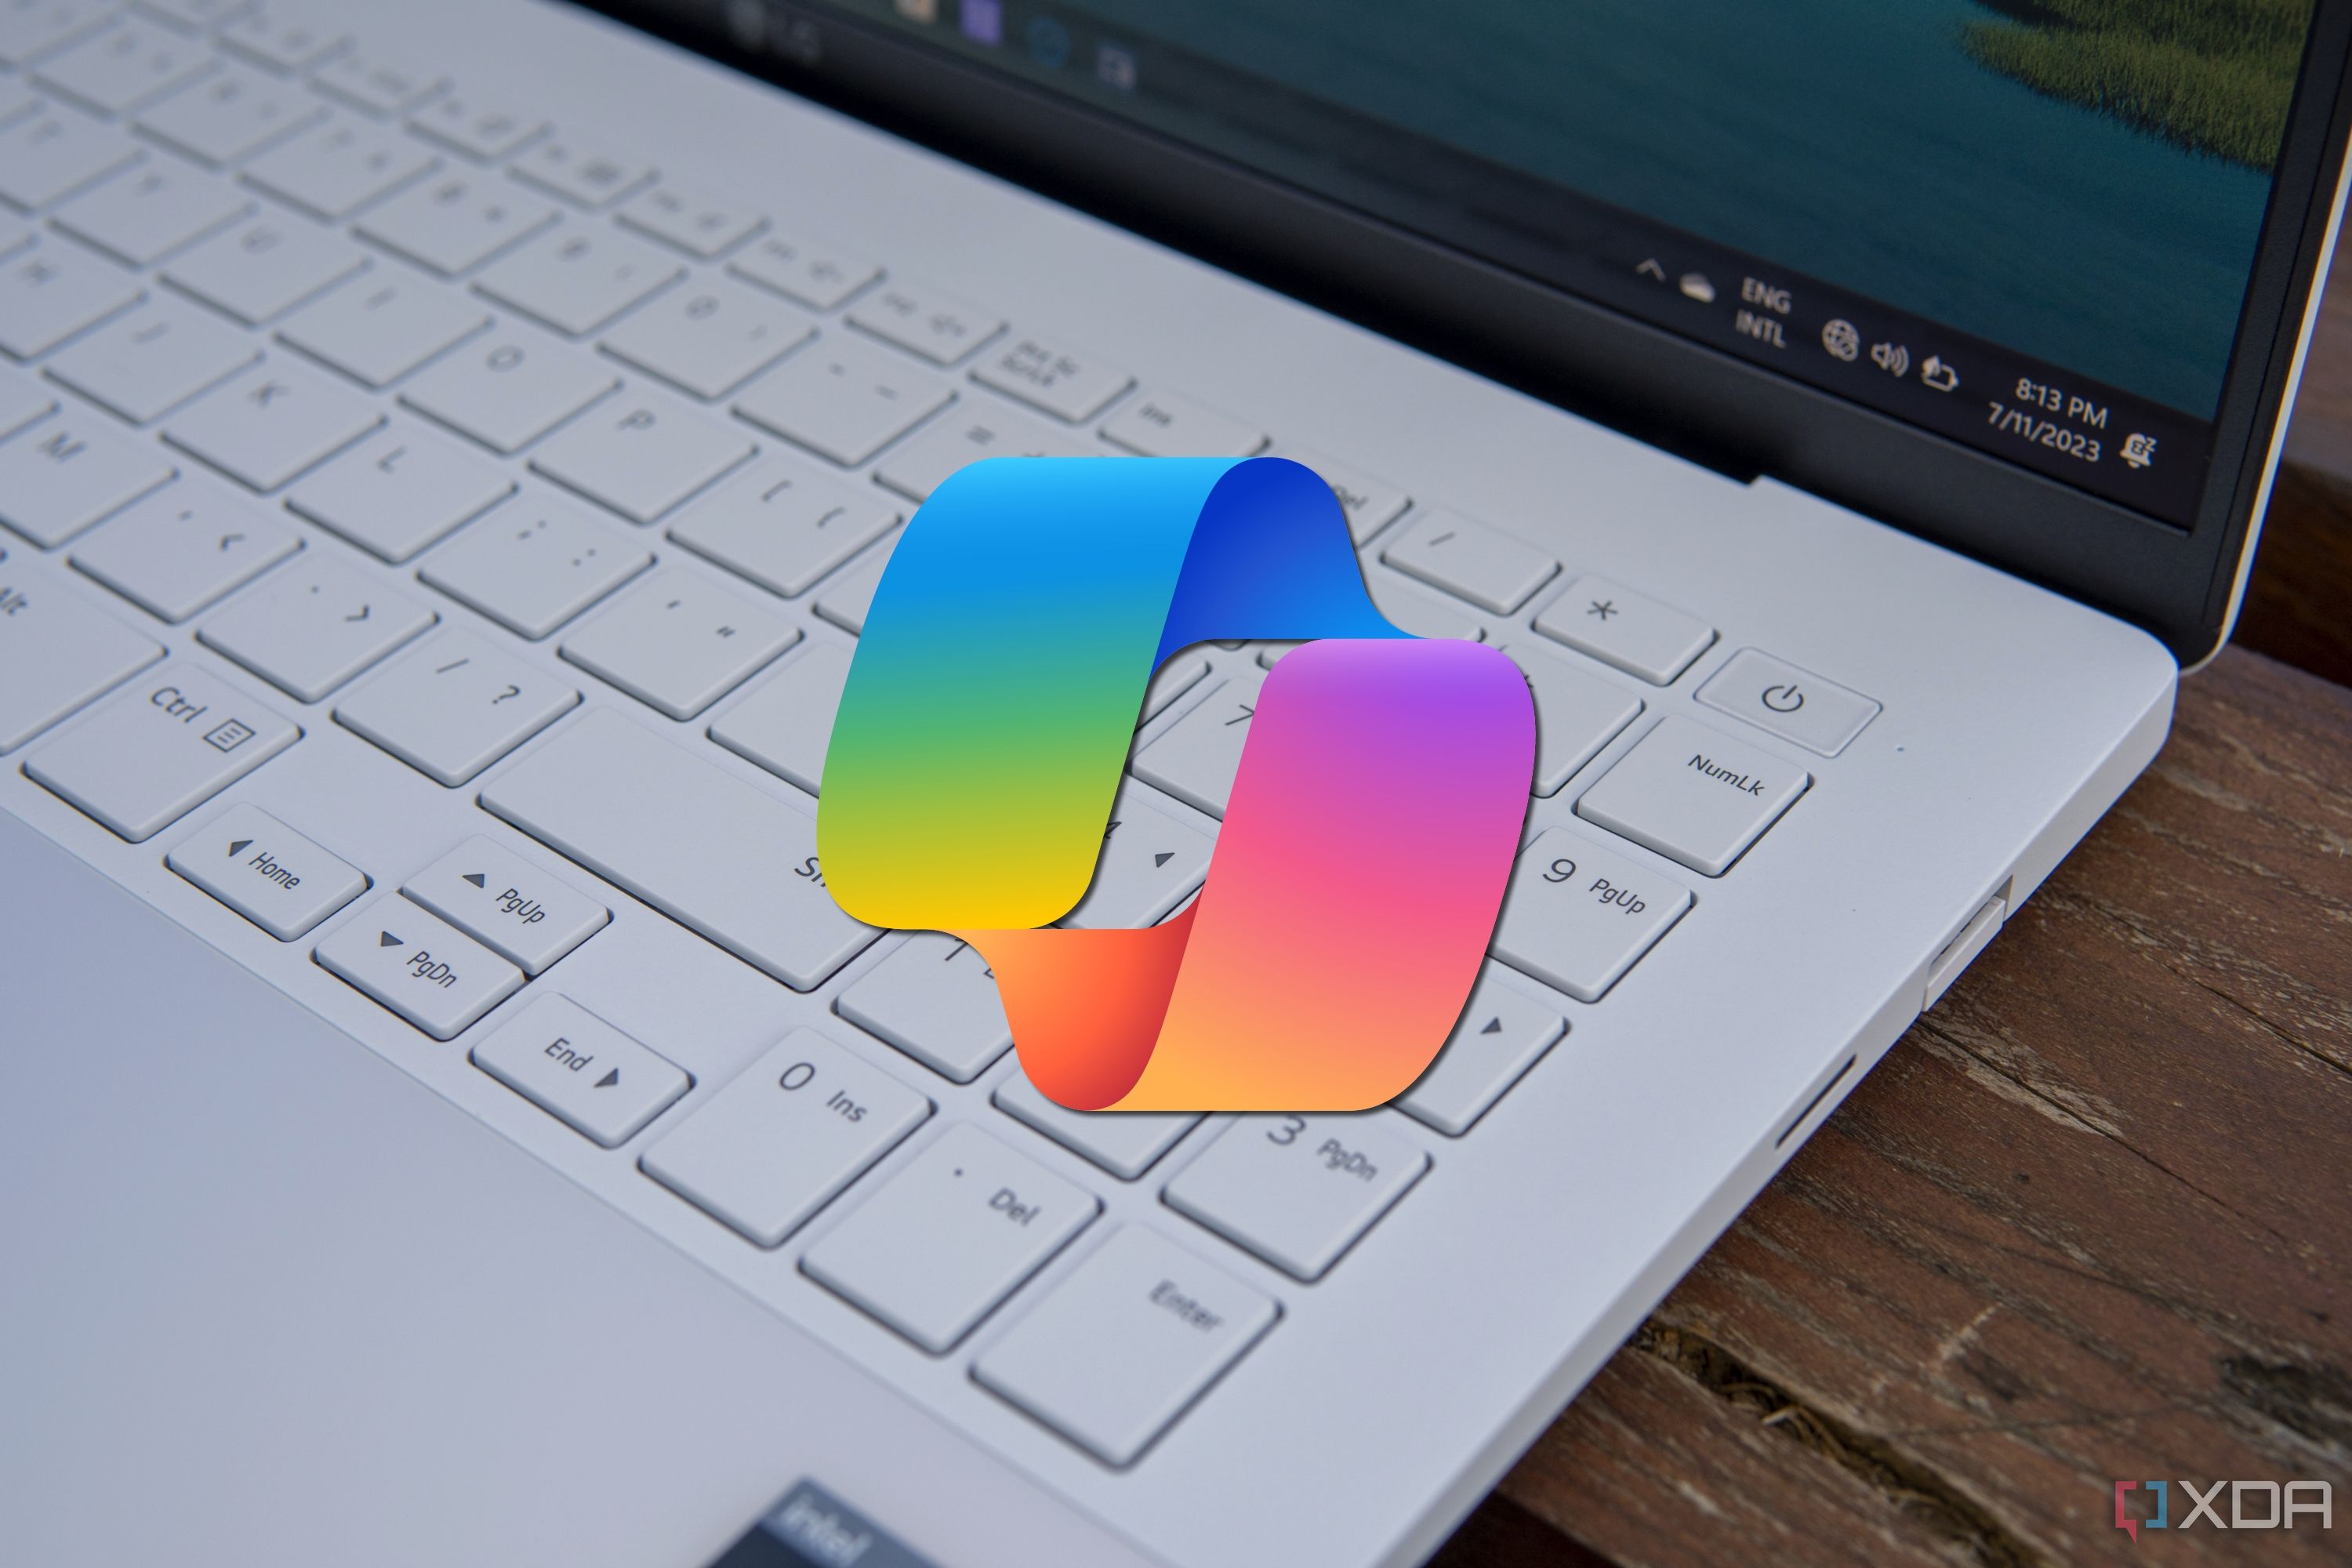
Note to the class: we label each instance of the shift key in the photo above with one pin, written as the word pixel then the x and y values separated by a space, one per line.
pixel 160 749
pixel 718 854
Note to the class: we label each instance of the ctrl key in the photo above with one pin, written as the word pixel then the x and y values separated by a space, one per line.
pixel 1125 1345
pixel 423 968
pixel 160 749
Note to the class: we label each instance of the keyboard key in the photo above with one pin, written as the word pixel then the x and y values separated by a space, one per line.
pixel 1150 861
pixel 266 268
pixel 1298 1191
pixel 18 99
pixel 1371 504
pixel 958 1229
pixel 33 27
pixel 1577 917
pixel 151 361
pixel 454 707
pixel 1794 704
pixel 1160 425
pixel 56 653
pixel 641 457
pixel 274 876
pixel 1176 677
pixel 271 424
pixel 22 401
pixel 708 338
pixel 1621 627
pixel 479 128
pixel 1125 1345
pixel 1577 713
pixel 701 225
pixel 975 431
pixel 722 857
pixel 1418 613
pixel 525 915
pixel 819 274
pixel 374 83
pixel 781 1141
pixel 842 399
pixel 784 524
pixel 580 175
pixel 16 234
pixel 1070 386
pixel 1500 1035
pixel 379 331
pixel 151 211
pixel 1694 795
pixel 160 749
pixel 195 15
pixel 577 280
pixel 230 115
pixel 1195 759
pixel 1125 1142
pixel 428 972
pixel 338 168
pixel 534 564
pixel 506 390
pixel 580 1070
pixel 399 491
pixel 785 725
pixel 314 626
pixel 455 221
pixel 184 548
pixel 1492 570
pixel 52 292
pixel 680 644
pixel 128 63
pixel 852 594
pixel 63 473
pixel 935 999
pixel 46 156
pixel 939 327
pixel 281 38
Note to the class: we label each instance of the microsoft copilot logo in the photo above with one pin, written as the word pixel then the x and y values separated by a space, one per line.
pixel 1376 806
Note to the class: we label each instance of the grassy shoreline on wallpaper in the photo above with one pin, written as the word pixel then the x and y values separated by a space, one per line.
pixel 2212 75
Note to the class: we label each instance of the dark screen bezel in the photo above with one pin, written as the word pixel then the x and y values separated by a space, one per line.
pixel 1657 385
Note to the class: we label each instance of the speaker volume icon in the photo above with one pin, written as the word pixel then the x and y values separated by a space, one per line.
pixel 1892 358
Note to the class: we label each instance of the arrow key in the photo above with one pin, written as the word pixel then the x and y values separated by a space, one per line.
pixel 1500 1035
pixel 428 972
pixel 580 1070
pixel 527 916
pixel 266 871
pixel 1150 861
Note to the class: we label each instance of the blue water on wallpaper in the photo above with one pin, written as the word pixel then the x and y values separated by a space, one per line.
pixel 1849 139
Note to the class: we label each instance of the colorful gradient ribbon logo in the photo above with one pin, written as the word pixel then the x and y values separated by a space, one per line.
pixel 988 715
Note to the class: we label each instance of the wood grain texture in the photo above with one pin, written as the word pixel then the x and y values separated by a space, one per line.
pixel 2090 1220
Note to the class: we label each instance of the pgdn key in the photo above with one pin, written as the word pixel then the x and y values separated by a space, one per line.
pixel 420 966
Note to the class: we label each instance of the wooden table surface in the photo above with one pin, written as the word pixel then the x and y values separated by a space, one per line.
pixel 2089 1221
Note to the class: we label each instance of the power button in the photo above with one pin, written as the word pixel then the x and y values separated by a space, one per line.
pixel 1794 704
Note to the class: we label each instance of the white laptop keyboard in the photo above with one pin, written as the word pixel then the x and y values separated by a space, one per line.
pixel 340 394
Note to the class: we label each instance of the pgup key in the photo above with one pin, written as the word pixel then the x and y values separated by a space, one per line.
pixel 425 970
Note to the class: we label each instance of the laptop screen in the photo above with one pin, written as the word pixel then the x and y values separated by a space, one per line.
pixel 2029 228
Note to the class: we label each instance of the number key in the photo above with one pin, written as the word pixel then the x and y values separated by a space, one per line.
pixel 1299 1190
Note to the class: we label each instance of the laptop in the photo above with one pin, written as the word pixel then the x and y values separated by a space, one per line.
pixel 449 448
